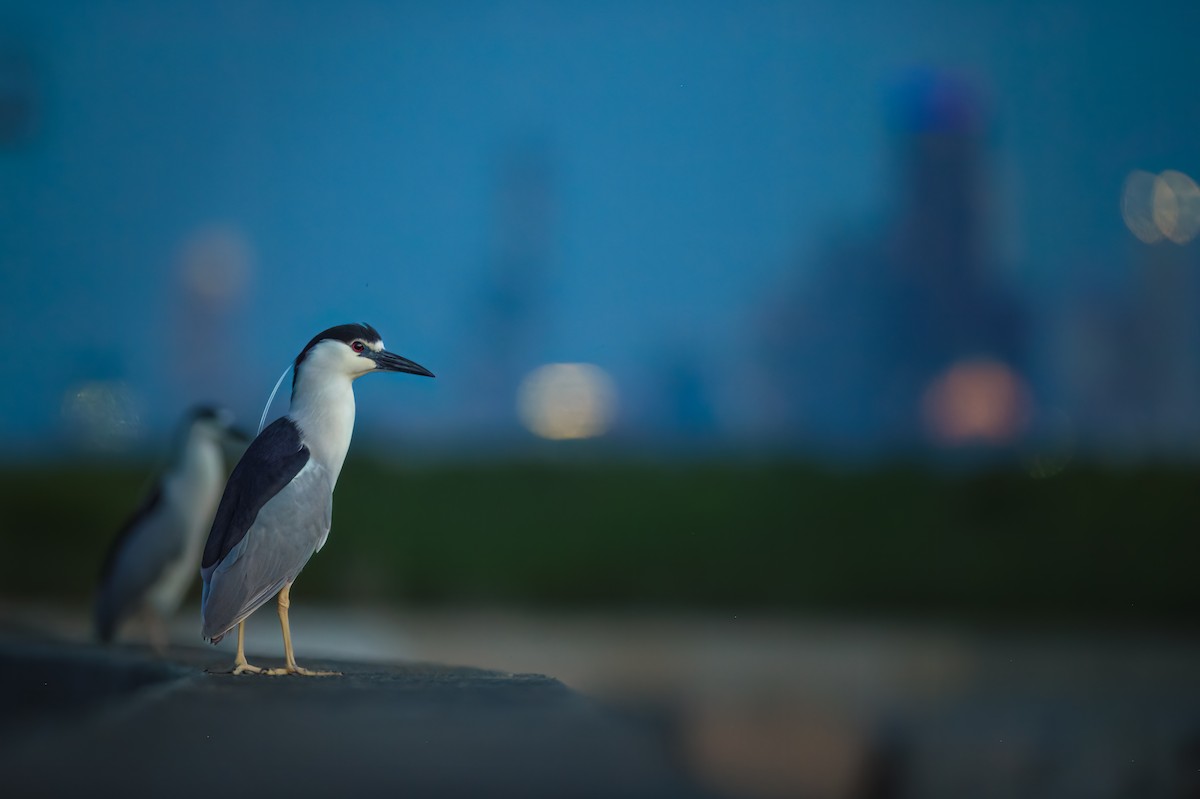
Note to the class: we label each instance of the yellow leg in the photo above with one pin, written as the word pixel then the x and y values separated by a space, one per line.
pixel 240 666
pixel 290 666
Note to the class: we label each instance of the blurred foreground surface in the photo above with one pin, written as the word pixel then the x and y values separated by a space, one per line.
pixel 171 729
pixel 750 706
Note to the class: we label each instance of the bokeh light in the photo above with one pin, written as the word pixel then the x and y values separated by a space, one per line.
pixel 976 401
pixel 567 400
pixel 103 415
pixel 1137 206
pixel 1163 205
pixel 215 264
pixel 1177 206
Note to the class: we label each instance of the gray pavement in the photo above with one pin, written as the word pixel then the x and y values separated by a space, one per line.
pixel 76 719
pixel 756 707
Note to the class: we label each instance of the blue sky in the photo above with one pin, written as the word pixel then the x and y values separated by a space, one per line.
pixel 701 155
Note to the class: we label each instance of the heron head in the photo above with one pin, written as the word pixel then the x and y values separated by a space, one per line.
pixel 215 423
pixel 353 350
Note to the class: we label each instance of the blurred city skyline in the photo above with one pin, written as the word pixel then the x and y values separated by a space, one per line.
pixel 837 228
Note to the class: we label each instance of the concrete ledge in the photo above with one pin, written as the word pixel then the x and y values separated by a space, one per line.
pixel 85 720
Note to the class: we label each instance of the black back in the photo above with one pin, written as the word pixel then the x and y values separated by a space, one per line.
pixel 272 460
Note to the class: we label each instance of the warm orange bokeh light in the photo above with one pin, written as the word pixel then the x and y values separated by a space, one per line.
pixel 976 401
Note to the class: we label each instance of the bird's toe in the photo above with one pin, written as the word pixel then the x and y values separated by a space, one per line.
pixel 246 668
pixel 300 671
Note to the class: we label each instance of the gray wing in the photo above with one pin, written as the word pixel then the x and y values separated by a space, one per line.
pixel 150 540
pixel 288 529
pixel 270 462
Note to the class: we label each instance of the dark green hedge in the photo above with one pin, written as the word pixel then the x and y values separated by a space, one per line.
pixel 1086 543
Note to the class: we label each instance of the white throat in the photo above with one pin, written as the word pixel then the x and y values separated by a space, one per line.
pixel 198 477
pixel 323 409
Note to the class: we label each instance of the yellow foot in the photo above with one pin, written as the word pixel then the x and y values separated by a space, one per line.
pixel 246 668
pixel 302 672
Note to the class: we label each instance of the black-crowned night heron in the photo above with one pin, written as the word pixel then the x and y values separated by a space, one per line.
pixel 276 509
pixel 152 562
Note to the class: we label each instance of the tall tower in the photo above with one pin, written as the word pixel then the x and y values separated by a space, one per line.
pixel 213 269
pixel 511 305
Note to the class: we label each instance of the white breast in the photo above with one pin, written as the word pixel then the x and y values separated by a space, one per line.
pixel 323 409
pixel 191 492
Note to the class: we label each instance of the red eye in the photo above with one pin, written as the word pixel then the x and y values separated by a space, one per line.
pixel 357 346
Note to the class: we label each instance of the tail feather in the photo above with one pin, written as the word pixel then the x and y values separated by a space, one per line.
pixel 220 617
